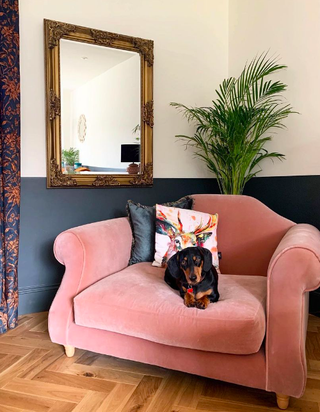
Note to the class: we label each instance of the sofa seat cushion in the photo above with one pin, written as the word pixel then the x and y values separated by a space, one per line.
pixel 137 302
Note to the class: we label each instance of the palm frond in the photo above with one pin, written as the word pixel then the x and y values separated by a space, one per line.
pixel 230 135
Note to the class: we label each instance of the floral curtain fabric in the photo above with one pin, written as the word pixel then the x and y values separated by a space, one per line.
pixel 9 162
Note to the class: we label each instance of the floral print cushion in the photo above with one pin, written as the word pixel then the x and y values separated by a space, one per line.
pixel 177 229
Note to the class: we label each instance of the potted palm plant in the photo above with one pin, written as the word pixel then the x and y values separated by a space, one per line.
pixel 231 134
pixel 70 157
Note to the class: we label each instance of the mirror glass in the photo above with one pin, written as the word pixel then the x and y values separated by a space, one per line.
pixel 100 109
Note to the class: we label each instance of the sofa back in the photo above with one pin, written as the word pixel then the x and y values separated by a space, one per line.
pixel 248 232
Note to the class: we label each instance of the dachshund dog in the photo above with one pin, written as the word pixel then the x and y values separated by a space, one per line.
pixel 191 272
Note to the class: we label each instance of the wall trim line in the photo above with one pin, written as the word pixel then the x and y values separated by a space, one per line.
pixel 24 290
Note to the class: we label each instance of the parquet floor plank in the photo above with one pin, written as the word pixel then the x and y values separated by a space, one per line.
pixel 191 389
pixel 92 384
pixel 7 360
pixel 313 369
pixel 101 373
pixel 42 363
pixel 180 408
pixel 4 408
pixel 143 394
pixel 8 349
pixel 91 402
pixel 64 362
pixel 314 324
pixel 47 390
pixel 30 342
pixel 20 366
pixel 312 392
pixel 88 358
pixel 118 397
pixel 28 402
pixel 2 356
pixel 313 346
pixel 63 407
pixel 35 375
pixel 41 327
pixel 240 394
pixel 26 323
pixel 228 405
pixel 109 362
pixel 164 399
pixel 37 335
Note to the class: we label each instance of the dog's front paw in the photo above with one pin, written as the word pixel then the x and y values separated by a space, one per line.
pixel 189 300
pixel 203 302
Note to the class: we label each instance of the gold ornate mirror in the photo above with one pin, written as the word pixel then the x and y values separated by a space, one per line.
pixel 99 97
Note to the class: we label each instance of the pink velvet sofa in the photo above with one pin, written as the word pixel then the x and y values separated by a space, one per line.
pixel 254 336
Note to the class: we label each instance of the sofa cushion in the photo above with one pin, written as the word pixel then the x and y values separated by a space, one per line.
pixel 137 302
pixel 177 229
pixel 143 224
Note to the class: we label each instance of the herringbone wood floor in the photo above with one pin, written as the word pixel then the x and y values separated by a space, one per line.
pixel 35 375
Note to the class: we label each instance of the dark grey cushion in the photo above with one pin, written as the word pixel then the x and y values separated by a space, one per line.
pixel 143 224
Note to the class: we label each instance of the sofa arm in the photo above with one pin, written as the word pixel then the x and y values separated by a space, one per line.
pixel 294 270
pixel 89 253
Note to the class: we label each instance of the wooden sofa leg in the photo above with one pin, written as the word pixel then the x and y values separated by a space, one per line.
pixel 282 401
pixel 69 350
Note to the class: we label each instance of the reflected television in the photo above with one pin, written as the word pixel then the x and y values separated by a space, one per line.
pixel 131 153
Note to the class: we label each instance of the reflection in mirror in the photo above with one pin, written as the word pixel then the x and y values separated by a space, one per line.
pixel 100 109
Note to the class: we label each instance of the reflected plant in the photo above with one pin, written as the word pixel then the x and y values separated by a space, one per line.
pixel 71 156
pixel 135 130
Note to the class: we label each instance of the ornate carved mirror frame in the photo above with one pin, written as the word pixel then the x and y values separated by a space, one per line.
pixel 54 31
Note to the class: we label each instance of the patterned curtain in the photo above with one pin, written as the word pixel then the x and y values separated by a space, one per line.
pixel 9 162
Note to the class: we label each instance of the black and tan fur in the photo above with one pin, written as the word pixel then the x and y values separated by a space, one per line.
pixel 192 268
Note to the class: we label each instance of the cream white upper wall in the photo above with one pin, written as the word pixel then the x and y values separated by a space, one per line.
pixel 197 43
pixel 290 29
pixel 191 58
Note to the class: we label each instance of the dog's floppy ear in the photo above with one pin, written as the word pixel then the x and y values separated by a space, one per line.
pixel 207 258
pixel 174 265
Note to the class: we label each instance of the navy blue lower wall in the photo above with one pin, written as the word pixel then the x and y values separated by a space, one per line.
pixel 47 212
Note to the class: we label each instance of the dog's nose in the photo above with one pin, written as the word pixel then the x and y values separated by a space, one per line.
pixel 193 277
